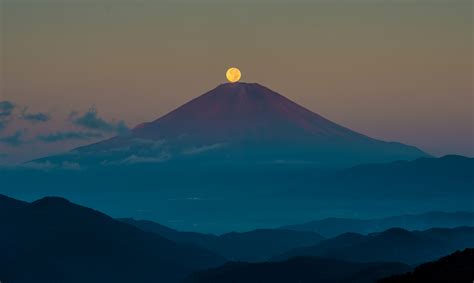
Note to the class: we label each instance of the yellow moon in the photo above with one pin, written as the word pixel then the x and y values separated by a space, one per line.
pixel 233 75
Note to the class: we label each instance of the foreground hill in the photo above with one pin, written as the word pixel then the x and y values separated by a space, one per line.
pixel 331 227
pixel 411 247
pixel 54 240
pixel 457 267
pixel 8 203
pixel 256 245
pixel 301 270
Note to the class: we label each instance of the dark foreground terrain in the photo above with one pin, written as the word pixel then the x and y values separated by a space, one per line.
pixel 54 240
pixel 301 269
pixel 457 267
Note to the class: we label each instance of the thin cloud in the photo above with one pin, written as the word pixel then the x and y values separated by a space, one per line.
pixel 67 135
pixel 197 150
pixel 35 117
pixel 3 124
pixel 13 140
pixel 6 108
pixel 91 120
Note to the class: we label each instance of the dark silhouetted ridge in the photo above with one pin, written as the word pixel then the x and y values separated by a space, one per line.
pixel 8 203
pixel 457 267
pixel 300 269
pixel 395 245
pixel 54 240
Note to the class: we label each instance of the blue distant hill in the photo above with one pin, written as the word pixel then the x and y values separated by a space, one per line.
pixel 331 227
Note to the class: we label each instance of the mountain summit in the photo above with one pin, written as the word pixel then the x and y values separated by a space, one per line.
pixel 244 112
pixel 243 122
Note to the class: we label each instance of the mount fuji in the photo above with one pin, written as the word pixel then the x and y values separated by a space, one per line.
pixel 240 123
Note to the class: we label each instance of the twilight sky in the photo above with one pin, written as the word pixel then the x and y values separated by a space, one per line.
pixel 394 70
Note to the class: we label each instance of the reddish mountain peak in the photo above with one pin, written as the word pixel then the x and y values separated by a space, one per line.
pixel 226 100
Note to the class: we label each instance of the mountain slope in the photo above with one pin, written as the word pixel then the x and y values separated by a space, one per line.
pixel 240 122
pixel 244 112
pixel 53 240
pixel 7 204
pixel 394 244
pixel 256 245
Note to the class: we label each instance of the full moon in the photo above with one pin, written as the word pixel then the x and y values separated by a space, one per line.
pixel 233 75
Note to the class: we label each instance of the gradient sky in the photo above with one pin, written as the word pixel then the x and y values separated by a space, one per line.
pixel 394 70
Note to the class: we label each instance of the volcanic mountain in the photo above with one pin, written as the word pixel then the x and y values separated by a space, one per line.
pixel 241 122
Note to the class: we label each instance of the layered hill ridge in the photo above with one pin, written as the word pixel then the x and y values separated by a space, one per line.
pixel 255 245
pixel 330 227
pixel 394 244
pixel 54 240
pixel 456 267
pixel 241 122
